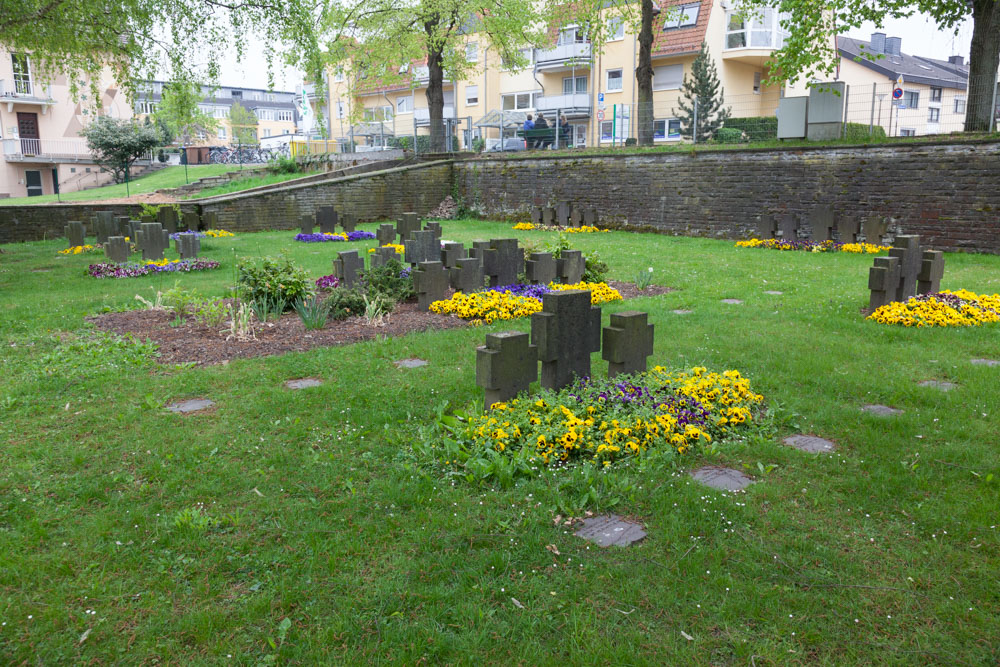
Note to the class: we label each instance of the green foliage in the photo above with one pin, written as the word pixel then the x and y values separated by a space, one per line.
pixel 312 311
pixel 759 128
pixel 478 144
pixel 210 312
pixel 284 165
pixel 596 270
pixel 860 132
pixel 389 280
pixel 644 278
pixel 729 135
pixel 343 303
pixel 117 143
pixel 702 85
pixel 272 280
pixel 243 123
pixel 195 520
pixel 406 143
pixel 178 110
pixel 91 353
pixel 179 300
pixel 154 209
pixel 267 307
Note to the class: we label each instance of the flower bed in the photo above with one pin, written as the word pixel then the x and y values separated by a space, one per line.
pixel 111 270
pixel 208 233
pixel 398 247
pixel 943 309
pixel 582 229
pixel 510 302
pixel 322 238
pixel 608 420
pixel 813 246
pixel 328 282
pixel 77 250
pixel 599 292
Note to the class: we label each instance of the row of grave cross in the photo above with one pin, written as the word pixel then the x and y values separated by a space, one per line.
pixel 327 218
pixel 151 238
pixel 564 215
pixel 906 272
pixel 563 336
pixel 819 226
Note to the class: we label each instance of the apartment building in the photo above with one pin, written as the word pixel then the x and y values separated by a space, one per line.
pixel 40 121
pixel 275 110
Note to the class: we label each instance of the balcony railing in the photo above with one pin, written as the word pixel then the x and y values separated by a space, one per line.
pixel 565 55
pixel 571 102
pixel 24 90
pixel 423 116
pixel 46 150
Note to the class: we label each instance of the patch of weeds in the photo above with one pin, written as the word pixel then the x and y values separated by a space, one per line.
pixel 92 352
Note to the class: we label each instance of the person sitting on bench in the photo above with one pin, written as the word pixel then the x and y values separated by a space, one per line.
pixel 542 124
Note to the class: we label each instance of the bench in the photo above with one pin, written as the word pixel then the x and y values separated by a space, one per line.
pixel 548 135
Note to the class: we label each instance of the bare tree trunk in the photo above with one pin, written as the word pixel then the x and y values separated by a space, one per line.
pixel 644 76
pixel 435 100
pixel 983 61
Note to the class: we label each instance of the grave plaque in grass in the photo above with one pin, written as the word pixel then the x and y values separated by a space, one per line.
pixel 875 228
pixel 467 276
pixel 883 279
pixel 789 226
pixel 75 233
pixel 847 229
pixel 382 255
pixel 346 267
pixel 104 226
pixel 610 530
pixel 167 217
pixel 210 220
pixel 723 479
pixel 451 253
pixel 348 222
pixel 766 226
pixel 562 214
pixel 306 224
pixel 152 239
pixel 566 331
pixel 385 234
pixel 540 268
pixel 628 342
pixel 931 272
pixel 570 267
pixel 548 216
pixel 117 249
pixel 436 228
pixel 122 227
pixel 430 280
pixel 188 246
pixel 821 224
pixel 906 248
pixel 326 216
pixel 505 366
pixel 422 246
pixel 191 221
pixel 407 224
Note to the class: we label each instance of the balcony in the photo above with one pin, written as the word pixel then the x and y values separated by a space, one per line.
pixel 46 150
pixel 563 57
pixel 309 91
pixel 422 117
pixel 573 105
pixel 752 39
pixel 25 92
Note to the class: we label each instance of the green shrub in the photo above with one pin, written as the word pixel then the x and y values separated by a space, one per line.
pixel 284 165
pixel 389 280
pixel 478 144
pixel 275 280
pixel 859 132
pixel 758 128
pixel 343 303
pixel 210 312
pixel 596 269
pixel 729 135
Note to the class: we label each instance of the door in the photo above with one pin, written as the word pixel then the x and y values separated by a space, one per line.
pixel 27 129
pixel 580 136
pixel 55 181
pixel 33 181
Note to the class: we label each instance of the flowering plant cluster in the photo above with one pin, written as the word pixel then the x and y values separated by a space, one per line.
pixel 217 233
pixel 177 235
pixel 608 420
pixel 77 250
pixel 131 270
pixel 944 309
pixel 599 292
pixel 510 302
pixel 321 238
pixel 812 246
pixel 328 282
pixel 398 247
pixel 582 229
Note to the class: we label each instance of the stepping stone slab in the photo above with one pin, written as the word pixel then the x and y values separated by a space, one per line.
pixel 939 384
pixel 732 301
pixel 809 443
pixel 881 410
pixel 682 312
pixel 986 362
pixel 774 292
pixel 610 530
pixel 724 479
pixel 193 405
pixel 410 363
pixel 303 383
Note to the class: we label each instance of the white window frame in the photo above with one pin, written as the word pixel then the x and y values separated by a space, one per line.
pixel 936 94
pixel 680 82
pixel 532 98
pixel 404 105
pixel 571 34
pixel 472 52
pixel 341 109
pixel 338 75
pixel 682 16
pixel 221 133
pixel 220 112
pixel 962 101
pixel 667 136
pixel 931 112
pixel 267 131
pixel 756 82
pixel 284 115
pixel 907 132
pixel 621 80
pixel 471 96
pixel 617 34
pixel 907 96
pixel 575 85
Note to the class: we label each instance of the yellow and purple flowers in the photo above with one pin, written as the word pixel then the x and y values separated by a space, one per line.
pixel 944 309
pixel 511 302
pixel 77 250
pixel 322 238
pixel 812 246
pixel 582 229
pixel 132 270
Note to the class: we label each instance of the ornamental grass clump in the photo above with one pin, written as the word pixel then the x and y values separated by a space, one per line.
pixel 943 309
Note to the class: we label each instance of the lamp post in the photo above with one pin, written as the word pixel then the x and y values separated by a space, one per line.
pixel 184 160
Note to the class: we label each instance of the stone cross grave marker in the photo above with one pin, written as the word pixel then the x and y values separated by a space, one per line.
pixel 381 256
pixel 590 217
pixel 627 342
pixel 348 222
pixel 117 249
pixel 104 226
pixel 906 248
pixel 821 224
pixel 422 246
pixel 766 226
pixel 121 227
pixel 326 216
pixel 152 239
pixel 467 276
pixel 570 267
pixel 789 225
pixel 191 221
pixel 436 228
pixel 346 267
pixel 147 218
pixel 505 366
pixel 210 220
pixel 875 228
pixel 133 232
pixel 306 224
pixel 508 261
pixel 487 257
pixel 536 215
pixel 167 217
pixel 548 216
pixel 385 234
pixel 430 281
pixel 575 217
pixel 541 268
pixel 451 253
pixel 75 233
pixel 562 214
pixel 847 229
pixel 188 246
pixel 883 280
pixel 566 331
pixel 406 225
pixel 931 272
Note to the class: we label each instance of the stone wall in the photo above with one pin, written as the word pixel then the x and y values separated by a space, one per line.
pixel 948 193
pixel 46 221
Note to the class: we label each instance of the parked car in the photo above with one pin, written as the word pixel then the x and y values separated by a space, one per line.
pixel 510 144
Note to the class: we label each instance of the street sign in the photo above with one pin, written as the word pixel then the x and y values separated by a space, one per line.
pixel 897 93
pixel 600 115
pixel 600 97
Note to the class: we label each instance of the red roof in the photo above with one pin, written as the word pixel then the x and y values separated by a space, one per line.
pixel 680 40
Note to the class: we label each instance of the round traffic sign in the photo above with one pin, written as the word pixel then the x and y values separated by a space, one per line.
pixel 600 114
pixel 897 93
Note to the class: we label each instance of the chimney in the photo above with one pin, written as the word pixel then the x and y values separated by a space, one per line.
pixel 956 60
pixel 878 42
pixel 892 46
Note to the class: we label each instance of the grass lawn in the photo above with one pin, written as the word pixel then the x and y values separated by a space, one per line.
pixel 241 184
pixel 336 545
pixel 170 177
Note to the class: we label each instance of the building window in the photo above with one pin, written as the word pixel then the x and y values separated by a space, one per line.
pixel 959 105
pixel 471 95
pixel 911 99
pixel 220 112
pixel 762 29
pixel 907 132
pixel 338 75
pixel 145 107
pixel 668 77
pixel 684 16
pixel 340 109
pixel 285 116
pixel 236 94
pixel 935 94
pixel 264 114
pixel 472 52
pixel 616 28
pixel 267 131
pixel 222 133
pixel 574 85
pixel 668 129
pixel 404 104
pixel 571 35
pixel 614 80
pixel 269 97
pixel 934 114
pixel 756 83
pixel 22 73
pixel 517 101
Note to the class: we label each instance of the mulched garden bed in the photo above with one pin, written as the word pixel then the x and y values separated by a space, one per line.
pixel 191 342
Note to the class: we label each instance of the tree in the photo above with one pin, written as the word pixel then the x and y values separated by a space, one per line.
pixel 813 25
pixel 117 143
pixel 179 113
pixel 701 99
pixel 378 40
pixel 243 123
